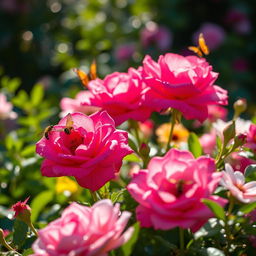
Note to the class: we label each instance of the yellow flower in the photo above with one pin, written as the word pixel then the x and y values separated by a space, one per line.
pixel 180 133
pixel 66 184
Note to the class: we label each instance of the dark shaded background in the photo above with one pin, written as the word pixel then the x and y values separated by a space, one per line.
pixel 39 40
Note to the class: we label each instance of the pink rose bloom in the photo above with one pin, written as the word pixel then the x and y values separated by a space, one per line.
pixel 183 83
pixel 251 137
pixel 6 108
pixel 153 34
pixel 217 112
pixel 92 152
pixel 238 162
pixel 121 95
pixel 69 105
pixel 235 183
pixel 214 35
pixel 208 142
pixel 84 231
pixel 125 51
pixel 170 190
pixel 239 21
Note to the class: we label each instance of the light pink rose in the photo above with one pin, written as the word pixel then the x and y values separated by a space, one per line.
pixel 235 183
pixel 238 162
pixel 121 95
pixel 208 142
pixel 84 231
pixel 92 152
pixel 183 83
pixel 214 35
pixel 170 190
pixel 251 137
pixel 156 35
pixel 69 105
pixel 6 108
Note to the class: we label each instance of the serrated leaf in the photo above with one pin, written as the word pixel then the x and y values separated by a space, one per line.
pixel 39 203
pixel 248 208
pixel 215 208
pixel 128 247
pixel 20 232
pixel 37 94
pixel 194 145
pixel 249 170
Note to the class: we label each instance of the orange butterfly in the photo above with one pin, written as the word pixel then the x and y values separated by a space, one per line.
pixel 86 78
pixel 202 48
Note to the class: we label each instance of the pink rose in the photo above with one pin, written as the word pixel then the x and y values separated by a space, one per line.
pixel 92 152
pixel 239 21
pixel 183 83
pixel 84 231
pixel 153 34
pixel 214 35
pixel 69 105
pixel 170 190
pixel 121 95
pixel 125 51
pixel 6 108
pixel 217 112
pixel 208 142
pixel 251 137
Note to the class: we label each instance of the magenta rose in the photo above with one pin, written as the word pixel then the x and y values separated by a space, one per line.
pixel 182 83
pixel 170 191
pixel 84 231
pixel 121 95
pixel 92 152
pixel 251 137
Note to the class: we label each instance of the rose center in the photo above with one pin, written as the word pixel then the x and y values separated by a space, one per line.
pixel 73 140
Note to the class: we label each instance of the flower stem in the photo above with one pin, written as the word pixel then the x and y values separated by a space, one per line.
pixel 231 204
pixel 33 229
pixel 182 242
pixel 94 196
pixel 173 120
pixel 4 243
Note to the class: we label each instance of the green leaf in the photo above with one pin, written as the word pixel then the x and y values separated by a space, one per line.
pixel 128 247
pixel 39 203
pixel 37 94
pixel 132 158
pixel 14 84
pixel 116 195
pixel 20 232
pixel 27 252
pixel 248 208
pixel 215 208
pixel 249 170
pixel 132 142
pixel 194 145
pixel 28 150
